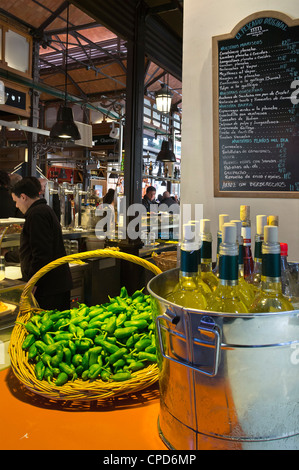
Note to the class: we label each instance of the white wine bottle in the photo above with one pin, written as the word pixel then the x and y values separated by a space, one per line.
pixel 255 278
pixel 187 293
pixel 246 291
pixel 226 297
pixel 206 255
pixel 222 219
pixel 270 297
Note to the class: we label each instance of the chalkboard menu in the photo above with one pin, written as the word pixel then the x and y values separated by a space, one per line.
pixel 256 108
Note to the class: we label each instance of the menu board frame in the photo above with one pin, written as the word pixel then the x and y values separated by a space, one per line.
pixel 216 134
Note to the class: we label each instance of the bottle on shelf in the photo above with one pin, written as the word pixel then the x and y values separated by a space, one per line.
pixel 272 220
pixel 222 219
pixel 226 297
pixel 187 292
pixel 206 255
pixel 246 291
pixel 255 278
pixel 122 165
pixel 246 234
pixel 150 170
pixel 270 297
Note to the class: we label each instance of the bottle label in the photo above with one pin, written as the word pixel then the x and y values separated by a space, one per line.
pixel 206 250
pixel 271 265
pixel 246 234
pixel 189 261
pixel 228 267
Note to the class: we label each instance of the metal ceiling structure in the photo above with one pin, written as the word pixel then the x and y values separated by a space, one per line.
pixel 99 31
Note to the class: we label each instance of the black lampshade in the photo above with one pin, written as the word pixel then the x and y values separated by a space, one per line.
pixel 165 154
pixel 65 127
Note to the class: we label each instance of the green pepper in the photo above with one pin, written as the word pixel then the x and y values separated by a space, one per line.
pixel 47 339
pixel 117 355
pixel 94 371
pixel 123 293
pixel 30 327
pixel 32 352
pixel 147 356
pixel 35 319
pixel 39 370
pixel 142 344
pixel 41 346
pixel 55 371
pixel 66 368
pixel 110 326
pixel 61 379
pixel 85 360
pixel 72 328
pixel 77 360
pixel 121 376
pixel 137 293
pixel 84 324
pixel 91 332
pixel 79 370
pixel 95 312
pixel 63 336
pixel 46 326
pixel 121 333
pixel 28 341
pixel 132 340
pixel 67 355
pixel 140 324
pixel 85 374
pixel 100 318
pixel 118 364
pixel 71 345
pixel 83 344
pixel 46 359
pixel 151 349
pixel 105 375
pixel 136 365
pixel 48 375
pixel 79 332
pixel 93 355
pixel 142 316
pixel 56 360
pixel 109 347
pixel 57 316
pixel 121 319
pixel 52 349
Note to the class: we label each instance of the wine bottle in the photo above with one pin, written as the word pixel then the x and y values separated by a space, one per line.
pixel 206 255
pixel 246 291
pixel 222 219
pixel 272 220
pixel 270 298
pixel 246 234
pixel 203 286
pixel 226 297
pixel 255 277
pixel 187 292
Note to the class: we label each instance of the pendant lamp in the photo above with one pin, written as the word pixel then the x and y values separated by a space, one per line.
pixel 165 154
pixel 65 127
pixel 163 99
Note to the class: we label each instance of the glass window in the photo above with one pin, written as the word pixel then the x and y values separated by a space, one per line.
pixel 17 51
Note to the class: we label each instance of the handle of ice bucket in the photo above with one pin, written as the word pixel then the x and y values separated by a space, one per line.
pixel 211 343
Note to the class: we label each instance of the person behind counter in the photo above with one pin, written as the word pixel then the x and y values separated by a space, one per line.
pixel 108 207
pixel 7 205
pixel 42 242
pixel 167 199
pixel 149 199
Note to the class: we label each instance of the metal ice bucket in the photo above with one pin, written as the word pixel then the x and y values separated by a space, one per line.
pixel 227 381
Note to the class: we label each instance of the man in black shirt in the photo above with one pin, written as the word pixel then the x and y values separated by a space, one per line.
pixel 42 242
pixel 149 199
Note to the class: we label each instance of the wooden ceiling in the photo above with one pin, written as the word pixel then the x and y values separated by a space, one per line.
pixel 96 58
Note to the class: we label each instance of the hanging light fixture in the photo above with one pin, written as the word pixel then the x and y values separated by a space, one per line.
pixel 65 127
pixel 165 154
pixel 163 99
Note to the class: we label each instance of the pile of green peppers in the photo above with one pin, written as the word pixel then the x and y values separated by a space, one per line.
pixel 106 342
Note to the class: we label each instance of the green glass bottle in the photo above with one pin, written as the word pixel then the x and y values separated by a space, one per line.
pixel 223 218
pixel 206 255
pixel 226 297
pixel 187 293
pixel 270 298
pixel 255 278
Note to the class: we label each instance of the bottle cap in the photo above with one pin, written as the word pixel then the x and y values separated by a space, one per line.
pixel 272 220
pixel 190 240
pixel 261 221
pixel 284 249
pixel 238 225
pixel 223 218
pixel 270 234
pixel 205 226
pixel 195 224
pixel 244 212
pixel 229 233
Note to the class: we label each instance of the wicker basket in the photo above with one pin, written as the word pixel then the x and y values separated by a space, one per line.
pixel 78 389
pixel 165 260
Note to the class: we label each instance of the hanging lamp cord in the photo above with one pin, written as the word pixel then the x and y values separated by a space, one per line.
pixel 66 54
